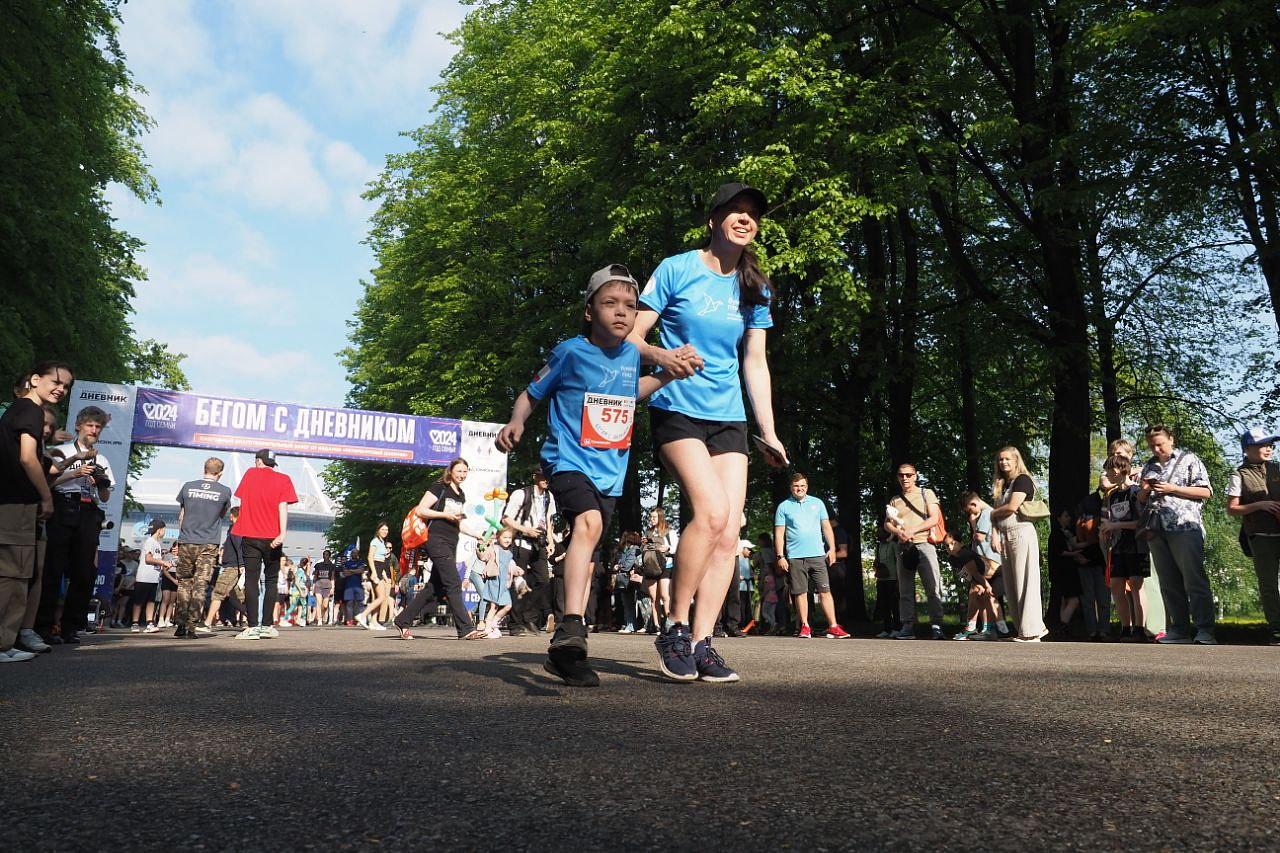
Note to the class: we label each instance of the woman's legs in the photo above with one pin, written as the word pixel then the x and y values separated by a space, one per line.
pixel 716 487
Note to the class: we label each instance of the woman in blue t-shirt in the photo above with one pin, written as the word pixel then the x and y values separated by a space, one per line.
pixel 714 304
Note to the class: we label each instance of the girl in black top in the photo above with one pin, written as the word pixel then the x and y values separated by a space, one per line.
pixel 443 508
pixel 1129 561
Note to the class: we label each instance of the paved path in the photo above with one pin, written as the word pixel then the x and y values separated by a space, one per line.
pixel 343 739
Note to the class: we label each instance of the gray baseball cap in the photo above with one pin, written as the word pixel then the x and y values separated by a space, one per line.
pixel 604 275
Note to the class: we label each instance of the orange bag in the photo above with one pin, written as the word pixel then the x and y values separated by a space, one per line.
pixel 413 532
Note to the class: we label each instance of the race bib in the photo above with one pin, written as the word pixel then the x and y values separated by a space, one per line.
pixel 607 420
pixel 1119 510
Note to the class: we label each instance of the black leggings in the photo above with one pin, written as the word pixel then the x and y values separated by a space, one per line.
pixel 444 581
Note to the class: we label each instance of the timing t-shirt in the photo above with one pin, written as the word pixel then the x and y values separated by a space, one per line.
pixel 203 503
pixel 591 411
pixel 261 491
pixel 23 417
pixel 703 308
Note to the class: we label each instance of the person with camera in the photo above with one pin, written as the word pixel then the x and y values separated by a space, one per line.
pixel 1253 496
pixel 72 553
pixel 25 500
pixel 528 512
pixel 1173 487
pixel 915 513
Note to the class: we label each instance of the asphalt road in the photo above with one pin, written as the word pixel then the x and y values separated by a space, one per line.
pixel 344 739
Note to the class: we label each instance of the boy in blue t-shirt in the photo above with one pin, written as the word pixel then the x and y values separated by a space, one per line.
pixel 591 383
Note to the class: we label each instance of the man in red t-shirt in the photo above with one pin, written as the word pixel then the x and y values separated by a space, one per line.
pixel 265 495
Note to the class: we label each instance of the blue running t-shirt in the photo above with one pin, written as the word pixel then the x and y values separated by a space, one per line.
pixel 592 409
pixel 700 307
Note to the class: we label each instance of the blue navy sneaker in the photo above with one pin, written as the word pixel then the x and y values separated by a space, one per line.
pixel 675 653
pixel 711 666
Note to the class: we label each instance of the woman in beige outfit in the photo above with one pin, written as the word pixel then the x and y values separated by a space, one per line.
pixel 1011 488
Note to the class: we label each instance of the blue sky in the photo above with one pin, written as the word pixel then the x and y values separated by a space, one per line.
pixel 271 117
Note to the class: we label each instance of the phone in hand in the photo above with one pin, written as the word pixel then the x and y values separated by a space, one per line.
pixel 773 452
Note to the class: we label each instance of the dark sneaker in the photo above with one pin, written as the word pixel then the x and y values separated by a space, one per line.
pixel 935 633
pixel 675 653
pixel 181 631
pixel 711 667
pixel 567 655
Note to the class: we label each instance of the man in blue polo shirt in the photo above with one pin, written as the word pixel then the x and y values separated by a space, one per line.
pixel 800 526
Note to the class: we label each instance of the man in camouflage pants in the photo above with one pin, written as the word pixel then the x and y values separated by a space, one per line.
pixel 202 504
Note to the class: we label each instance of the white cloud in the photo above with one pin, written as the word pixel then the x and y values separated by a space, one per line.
pixel 228 364
pixel 204 281
pixel 164 42
pixel 370 56
pixel 278 175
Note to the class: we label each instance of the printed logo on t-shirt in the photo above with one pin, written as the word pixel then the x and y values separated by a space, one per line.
pixel 607 377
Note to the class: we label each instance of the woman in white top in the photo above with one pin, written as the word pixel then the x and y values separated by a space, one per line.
pixel 148 578
pixel 379 557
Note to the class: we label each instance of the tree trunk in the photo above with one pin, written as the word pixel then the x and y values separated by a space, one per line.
pixel 968 408
pixel 902 378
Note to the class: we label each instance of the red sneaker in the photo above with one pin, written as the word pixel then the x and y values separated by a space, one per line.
pixel 805 633
pixel 835 632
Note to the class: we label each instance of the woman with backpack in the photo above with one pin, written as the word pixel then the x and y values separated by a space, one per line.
pixel 657 561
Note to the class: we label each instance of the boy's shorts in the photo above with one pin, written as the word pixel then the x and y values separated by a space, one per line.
pixel 575 494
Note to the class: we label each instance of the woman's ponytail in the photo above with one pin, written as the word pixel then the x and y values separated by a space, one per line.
pixel 753 284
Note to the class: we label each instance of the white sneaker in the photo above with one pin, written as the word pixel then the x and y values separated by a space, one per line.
pixel 31 642
pixel 248 634
pixel 626 629
pixel 135 628
pixel 362 621
pixel 203 630
pixel 268 632
pixel 377 626
pixel 493 633
pixel 151 628
pixel 15 656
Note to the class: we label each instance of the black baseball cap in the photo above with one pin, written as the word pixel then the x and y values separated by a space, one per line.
pixel 268 457
pixel 728 192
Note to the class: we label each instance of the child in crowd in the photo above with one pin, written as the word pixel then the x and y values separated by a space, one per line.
pixel 985 545
pixel 592 383
pixel 1128 560
pixel 296 614
pixel 495 591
